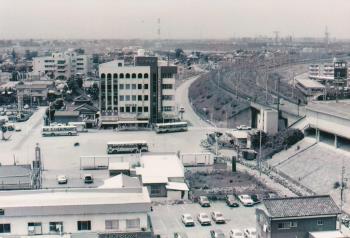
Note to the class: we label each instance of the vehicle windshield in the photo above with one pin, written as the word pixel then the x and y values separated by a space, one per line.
pixel 238 233
pixel 204 216
pixel 218 214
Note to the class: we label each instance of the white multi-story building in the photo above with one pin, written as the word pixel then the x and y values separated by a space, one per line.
pixel 143 91
pixel 62 65
pixel 118 207
pixel 125 90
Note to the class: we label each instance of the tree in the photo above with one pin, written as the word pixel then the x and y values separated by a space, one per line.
pixel 80 82
pixel 179 53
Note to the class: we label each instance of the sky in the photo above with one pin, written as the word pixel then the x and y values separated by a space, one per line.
pixel 179 19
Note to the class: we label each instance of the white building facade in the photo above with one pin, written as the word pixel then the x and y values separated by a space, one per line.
pixel 62 65
pixel 98 211
pixel 143 91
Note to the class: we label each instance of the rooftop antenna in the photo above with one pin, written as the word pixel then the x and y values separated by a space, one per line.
pixel 276 36
pixel 326 37
pixel 158 30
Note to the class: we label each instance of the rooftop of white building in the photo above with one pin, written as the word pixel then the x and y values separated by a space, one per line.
pixel 309 83
pixel 158 168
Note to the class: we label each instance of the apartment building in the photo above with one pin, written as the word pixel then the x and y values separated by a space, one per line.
pixel 62 65
pixel 119 209
pixel 143 91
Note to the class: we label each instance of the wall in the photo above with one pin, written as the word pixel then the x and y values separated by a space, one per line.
pixel 19 225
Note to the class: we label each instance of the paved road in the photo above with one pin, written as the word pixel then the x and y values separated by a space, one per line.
pixel 183 101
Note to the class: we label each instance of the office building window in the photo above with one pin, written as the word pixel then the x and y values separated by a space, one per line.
pixel 5 228
pixel 167 86
pixel 145 86
pixel 133 223
pixel 133 109
pixel 112 224
pixel 167 97
pixel 139 97
pixel 115 76
pixel 133 76
pixel 127 109
pixel 139 86
pixel 127 98
pixel 2 212
pixel 127 86
pixel 84 225
pixel 145 76
pixel 127 75
pixel 121 98
pixel 145 97
pixel 139 76
pixel 133 86
pixel 133 98
pixel 139 109
pixel 145 109
pixel 56 226
pixel 35 228
pixel 121 76
pixel 167 109
pixel 121 86
pixel 121 109
pixel 320 222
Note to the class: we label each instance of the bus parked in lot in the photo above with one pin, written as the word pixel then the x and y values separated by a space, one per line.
pixel 170 127
pixel 81 126
pixel 59 130
pixel 126 147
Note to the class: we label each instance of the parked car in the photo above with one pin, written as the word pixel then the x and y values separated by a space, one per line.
pixel 217 234
pixel 180 235
pixel 255 198
pixel 88 178
pixel 236 233
pixel 62 179
pixel 204 219
pixel 245 200
pixel 204 201
pixel 187 219
pixel 218 218
pixel 231 201
pixel 250 233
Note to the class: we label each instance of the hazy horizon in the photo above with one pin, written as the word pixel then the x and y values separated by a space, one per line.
pixel 179 19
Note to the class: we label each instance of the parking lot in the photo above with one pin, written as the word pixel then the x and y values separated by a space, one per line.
pixel 166 219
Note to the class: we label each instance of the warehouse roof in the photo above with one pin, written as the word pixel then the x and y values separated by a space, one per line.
pixel 301 206
pixel 338 109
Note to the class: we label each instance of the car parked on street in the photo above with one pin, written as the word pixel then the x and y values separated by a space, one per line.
pixel 236 233
pixel 217 234
pixel 231 201
pixel 88 178
pixel 204 201
pixel 204 219
pixel 250 233
pixel 62 179
pixel 187 219
pixel 246 200
pixel 218 218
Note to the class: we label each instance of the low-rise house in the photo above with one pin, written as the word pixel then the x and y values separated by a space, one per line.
pixel 117 210
pixel 163 175
pixel 88 114
pixel 64 117
pixel 296 217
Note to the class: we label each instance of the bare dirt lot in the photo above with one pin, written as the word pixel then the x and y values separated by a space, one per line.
pixel 216 184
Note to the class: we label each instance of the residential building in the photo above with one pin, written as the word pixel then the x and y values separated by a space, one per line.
pixel 296 217
pixel 64 117
pixel 144 91
pixel 62 65
pixel 163 175
pixel 118 208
